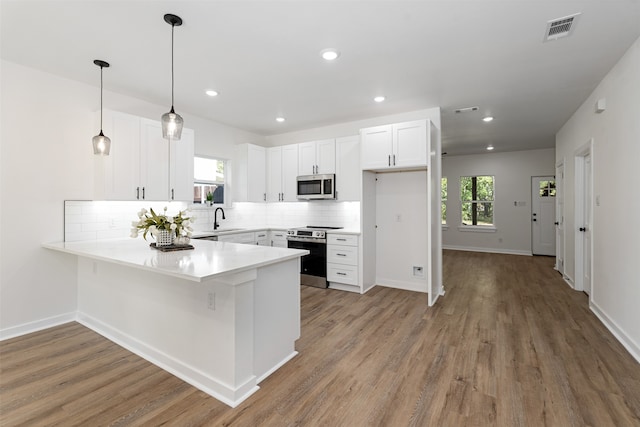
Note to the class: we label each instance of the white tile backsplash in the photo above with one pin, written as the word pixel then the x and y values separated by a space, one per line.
pixel 90 220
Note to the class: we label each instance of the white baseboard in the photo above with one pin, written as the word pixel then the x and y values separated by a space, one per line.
pixel 568 281
pixel 399 284
pixel 487 250
pixel 212 386
pixel 38 325
pixel 632 347
pixel 278 366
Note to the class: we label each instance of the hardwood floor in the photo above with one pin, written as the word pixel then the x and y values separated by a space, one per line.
pixel 509 345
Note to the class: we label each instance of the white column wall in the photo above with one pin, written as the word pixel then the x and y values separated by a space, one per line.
pixel 616 153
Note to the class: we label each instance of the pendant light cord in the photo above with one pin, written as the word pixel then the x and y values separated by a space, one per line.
pixel 101 99
pixel 172 27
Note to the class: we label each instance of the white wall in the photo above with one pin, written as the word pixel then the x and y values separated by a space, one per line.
pixel 352 128
pixel 47 126
pixel 512 172
pixel 615 293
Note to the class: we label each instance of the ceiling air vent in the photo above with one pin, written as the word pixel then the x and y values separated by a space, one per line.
pixel 561 27
pixel 466 110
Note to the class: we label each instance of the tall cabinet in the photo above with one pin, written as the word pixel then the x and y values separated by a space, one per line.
pixel 142 165
pixel 401 207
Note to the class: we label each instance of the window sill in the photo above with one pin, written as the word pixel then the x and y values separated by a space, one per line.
pixel 445 227
pixel 478 228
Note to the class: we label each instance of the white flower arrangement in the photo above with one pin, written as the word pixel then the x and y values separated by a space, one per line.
pixel 150 222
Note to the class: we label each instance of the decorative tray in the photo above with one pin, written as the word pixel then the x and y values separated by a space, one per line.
pixel 172 247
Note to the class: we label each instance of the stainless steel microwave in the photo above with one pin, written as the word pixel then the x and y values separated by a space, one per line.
pixel 317 187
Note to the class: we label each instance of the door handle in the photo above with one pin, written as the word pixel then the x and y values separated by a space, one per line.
pixel 556 223
pixel 142 193
pixel 394 160
pixel 138 193
pixel 389 162
pixel 172 198
pixel 583 229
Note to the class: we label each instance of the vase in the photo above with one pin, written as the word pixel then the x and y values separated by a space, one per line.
pixel 164 238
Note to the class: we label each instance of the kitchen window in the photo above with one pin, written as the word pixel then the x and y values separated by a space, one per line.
pixel 208 180
pixel 477 200
pixel 443 198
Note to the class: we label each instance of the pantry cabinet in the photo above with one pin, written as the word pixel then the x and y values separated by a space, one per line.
pixel 282 171
pixel 317 157
pixel 142 165
pixel 395 146
pixel 249 173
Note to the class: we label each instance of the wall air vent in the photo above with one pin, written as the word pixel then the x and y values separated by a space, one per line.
pixel 561 27
pixel 466 110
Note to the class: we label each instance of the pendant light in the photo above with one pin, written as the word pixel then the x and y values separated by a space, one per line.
pixel 101 143
pixel 171 121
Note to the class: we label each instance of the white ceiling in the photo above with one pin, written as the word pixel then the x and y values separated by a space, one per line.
pixel 263 58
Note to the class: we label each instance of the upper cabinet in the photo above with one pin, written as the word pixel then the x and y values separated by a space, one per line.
pixel 396 146
pixel 249 173
pixel 142 165
pixel 317 157
pixel 282 171
pixel 348 172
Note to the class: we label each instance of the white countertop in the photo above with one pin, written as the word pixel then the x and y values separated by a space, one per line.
pixel 208 259
pixel 228 231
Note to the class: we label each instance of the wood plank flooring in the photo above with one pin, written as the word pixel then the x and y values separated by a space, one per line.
pixel 509 345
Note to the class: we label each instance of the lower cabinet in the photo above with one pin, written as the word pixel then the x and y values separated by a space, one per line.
pixel 262 238
pixel 342 262
pixel 279 239
pixel 246 238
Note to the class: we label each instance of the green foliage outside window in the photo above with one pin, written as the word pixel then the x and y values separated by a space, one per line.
pixel 443 197
pixel 476 196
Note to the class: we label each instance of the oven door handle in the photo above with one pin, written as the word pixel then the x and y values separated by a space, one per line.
pixel 306 240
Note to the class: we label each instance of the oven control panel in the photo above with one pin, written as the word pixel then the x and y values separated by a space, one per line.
pixel 311 234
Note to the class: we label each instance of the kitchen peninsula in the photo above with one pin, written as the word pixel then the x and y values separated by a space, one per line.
pixel 222 316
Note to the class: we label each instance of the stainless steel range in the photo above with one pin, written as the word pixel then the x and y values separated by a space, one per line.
pixel 313 267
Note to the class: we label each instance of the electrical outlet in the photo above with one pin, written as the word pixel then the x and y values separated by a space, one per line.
pixel 398 218
pixel 418 271
pixel 211 304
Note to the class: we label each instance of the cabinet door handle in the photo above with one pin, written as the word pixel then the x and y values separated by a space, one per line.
pixel 264 196
pixel 341 254
pixel 142 193
pixel 389 161
pixel 394 160
pixel 172 197
pixel 341 274
pixel 341 240
pixel 138 193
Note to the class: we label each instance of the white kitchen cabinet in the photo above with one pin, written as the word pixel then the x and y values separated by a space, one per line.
pixel 317 157
pixel 278 239
pixel 343 262
pixel 397 146
pixel 244 238
pixel 249 173
pixel 282 171
pixel 140 166
pixel 262 238
pixel 348 172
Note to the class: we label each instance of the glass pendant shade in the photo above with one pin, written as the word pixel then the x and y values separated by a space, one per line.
pixel 172 125
pixel 101 144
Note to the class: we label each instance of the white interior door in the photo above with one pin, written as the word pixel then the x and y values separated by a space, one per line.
pixel 586 228
pixel 543 215
pixel 560 218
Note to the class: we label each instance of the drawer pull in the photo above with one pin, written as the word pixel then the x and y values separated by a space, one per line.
pixel 341 240
pixel 341 254
pixel 341 274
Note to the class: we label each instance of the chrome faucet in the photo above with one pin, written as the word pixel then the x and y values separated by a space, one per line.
pixel 215 218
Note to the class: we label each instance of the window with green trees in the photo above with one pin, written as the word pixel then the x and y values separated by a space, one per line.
pixel 208 180
pixel 476 197
pixel 443 197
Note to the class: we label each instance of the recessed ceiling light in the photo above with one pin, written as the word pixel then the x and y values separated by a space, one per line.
pixel 490 147
pixel 279 119
pixel 330 54
pixel 487 119
pixel 379 98
pixel 211 93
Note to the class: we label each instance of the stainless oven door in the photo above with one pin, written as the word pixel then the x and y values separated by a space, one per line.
pixel 313 267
